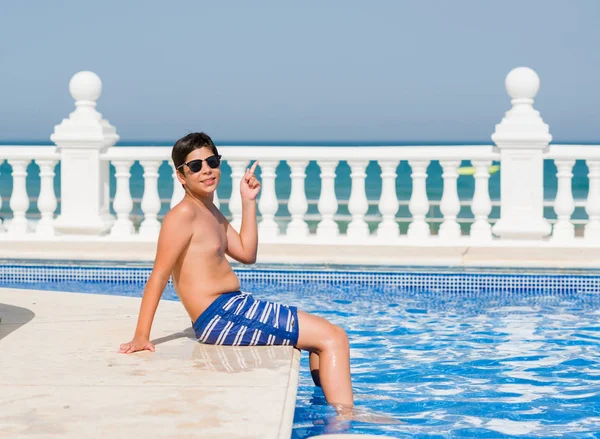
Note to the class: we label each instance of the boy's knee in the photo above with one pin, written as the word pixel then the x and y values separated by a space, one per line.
pixel 337 338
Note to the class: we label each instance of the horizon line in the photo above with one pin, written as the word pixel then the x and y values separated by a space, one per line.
pixel 163 142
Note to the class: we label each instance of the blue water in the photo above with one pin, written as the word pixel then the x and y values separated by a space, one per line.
pixel 495 364
pixel 466 186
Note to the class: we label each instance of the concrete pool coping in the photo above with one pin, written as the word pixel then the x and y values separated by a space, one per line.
pixel 431 253
pixel 61 374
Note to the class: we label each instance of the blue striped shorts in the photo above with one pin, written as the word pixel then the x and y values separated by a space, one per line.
pixel 238 319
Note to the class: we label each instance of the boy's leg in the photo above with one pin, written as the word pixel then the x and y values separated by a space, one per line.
pixel 313 359
pixel 330 343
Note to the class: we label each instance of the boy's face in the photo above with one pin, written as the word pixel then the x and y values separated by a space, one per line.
pixel 206 180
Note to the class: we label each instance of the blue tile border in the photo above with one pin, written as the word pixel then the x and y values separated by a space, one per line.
pixel 413 279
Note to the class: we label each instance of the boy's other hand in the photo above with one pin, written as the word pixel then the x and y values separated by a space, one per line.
pixel 250 186
pixel 137 344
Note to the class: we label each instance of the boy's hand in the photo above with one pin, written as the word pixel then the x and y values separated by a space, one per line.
pixel 250 186
pixel 137 344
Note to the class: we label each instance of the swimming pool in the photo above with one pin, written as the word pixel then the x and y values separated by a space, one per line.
pixel 444 354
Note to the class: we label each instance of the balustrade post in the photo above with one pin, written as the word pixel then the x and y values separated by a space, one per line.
pixel 47 200
pixel 418 204
pixel 388 203
pixel 123 203
pixel 564 206
pixel 268 204
pixel 81 140
pixel 150 200
pixel 19 200
pixel 358 205
pixel 238 169
pixel 178 190
pixel 481 206
pixel 450 204
pixel 522 137
pixel 328 204
pixel 592 205
pixel 298 205
pixel 1 222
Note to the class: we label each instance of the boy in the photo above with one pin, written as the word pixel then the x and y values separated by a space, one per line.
pixel 193 242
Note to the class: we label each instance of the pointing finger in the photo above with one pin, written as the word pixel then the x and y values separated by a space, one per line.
pixel 253 168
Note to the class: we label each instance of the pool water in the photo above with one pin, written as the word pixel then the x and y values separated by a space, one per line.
pixel 491 364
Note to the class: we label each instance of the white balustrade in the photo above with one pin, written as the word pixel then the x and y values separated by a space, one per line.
pixel 150 226
pixel 123 203
pixel 47 199
pixel 358 204
pixel 298 205
pixel 19 200
pixel 450 204
pixel 238 169
pixel 481 206
pixel 564 205
pixel 592 206
pixel 419 204
pixel 388 203
pixel 85 148
pixel 328 204
pixel 268 205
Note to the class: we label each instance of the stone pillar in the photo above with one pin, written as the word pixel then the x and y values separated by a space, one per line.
pixel 521 138
pixel 81 140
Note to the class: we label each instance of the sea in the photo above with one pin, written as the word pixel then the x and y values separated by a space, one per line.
pixel 466 184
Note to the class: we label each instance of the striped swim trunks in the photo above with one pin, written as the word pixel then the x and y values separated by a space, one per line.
pixel 237 319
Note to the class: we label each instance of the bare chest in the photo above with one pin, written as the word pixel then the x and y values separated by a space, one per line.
pixel 210 237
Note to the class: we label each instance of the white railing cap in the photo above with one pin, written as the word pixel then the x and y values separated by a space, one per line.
pixel 317 153
pixel 32 152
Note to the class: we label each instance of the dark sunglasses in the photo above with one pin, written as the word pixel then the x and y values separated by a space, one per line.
pixel 195 165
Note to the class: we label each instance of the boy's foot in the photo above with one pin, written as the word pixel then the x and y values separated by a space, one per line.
pixel 361 414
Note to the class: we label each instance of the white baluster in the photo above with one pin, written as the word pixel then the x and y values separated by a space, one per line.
pixel 482 204
pixel 564 205
pixel 150 200
pixel 450 204
pixel 268 200
pixel 178 191
pixel 298 205
pixel 592 205
pixel 216 201
pixel 47 199
pixel 238 169
pixel 328 204
pixel 1 222
pixel 19 200
pixel 388 203
pixel 418 204
pixel 122 204
pixel 358 204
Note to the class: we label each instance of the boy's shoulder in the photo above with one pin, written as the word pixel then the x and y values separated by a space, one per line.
pixel 181 212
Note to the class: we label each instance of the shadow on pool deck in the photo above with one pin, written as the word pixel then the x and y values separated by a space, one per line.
pixel 12 318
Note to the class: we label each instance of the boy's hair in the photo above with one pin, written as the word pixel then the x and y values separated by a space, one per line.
pixel 189 143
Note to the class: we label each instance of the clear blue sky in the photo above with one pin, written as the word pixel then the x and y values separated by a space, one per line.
pixel 336 70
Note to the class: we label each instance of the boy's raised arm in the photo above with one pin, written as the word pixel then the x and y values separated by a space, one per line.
pixel 243 246
pixel 175 234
